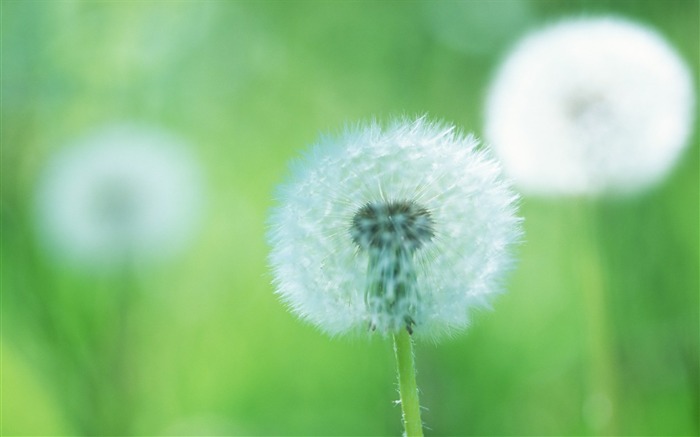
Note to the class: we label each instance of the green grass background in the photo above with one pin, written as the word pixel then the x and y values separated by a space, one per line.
pixel 210 349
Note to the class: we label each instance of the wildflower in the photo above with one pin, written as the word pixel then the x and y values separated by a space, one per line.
pixel 123 192
pixel 589 106
pixel 404 227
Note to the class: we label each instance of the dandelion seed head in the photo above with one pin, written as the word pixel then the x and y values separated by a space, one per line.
pixel 590 106
pixel 123 192
pixel 408 226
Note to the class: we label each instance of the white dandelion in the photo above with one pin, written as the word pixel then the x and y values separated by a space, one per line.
pixel 404 227
pixel 125 192
pixel 589 106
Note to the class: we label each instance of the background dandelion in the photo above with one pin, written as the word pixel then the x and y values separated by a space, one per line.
pixel 591 106
pixel 122 194
pixel 246 83
pixel 106 207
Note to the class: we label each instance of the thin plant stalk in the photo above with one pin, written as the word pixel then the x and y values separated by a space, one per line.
pixel 408 389
pixel 602 393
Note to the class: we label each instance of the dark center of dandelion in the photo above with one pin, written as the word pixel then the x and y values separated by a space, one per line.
pixel 402 224
pixel 115 207
pixel 391 232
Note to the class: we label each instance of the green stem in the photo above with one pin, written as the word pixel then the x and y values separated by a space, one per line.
pixel 410 406
pixel 602 399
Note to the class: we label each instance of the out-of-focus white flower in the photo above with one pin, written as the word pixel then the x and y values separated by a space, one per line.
pixel 125 192
pixel 588 106
pixel 407 227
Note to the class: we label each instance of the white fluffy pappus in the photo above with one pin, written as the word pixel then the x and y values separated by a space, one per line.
pixel 590 106
pixel 405 227
pixel 122 193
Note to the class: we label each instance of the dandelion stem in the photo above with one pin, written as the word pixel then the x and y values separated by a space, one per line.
pixel 601 404
pixel 408 390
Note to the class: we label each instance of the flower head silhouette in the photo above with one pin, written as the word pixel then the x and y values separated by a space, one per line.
pixel 404 227
pixel 123 192
pixel 588 106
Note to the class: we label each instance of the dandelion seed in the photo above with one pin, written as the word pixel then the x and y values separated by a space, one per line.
pixel 407 227
pixel 123 192
pixel 589 106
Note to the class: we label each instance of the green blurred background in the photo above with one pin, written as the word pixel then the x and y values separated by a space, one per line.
pixel 209 348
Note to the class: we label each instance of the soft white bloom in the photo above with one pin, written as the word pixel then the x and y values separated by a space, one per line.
pixel 404 227
pixel 588 106
pixel 125 192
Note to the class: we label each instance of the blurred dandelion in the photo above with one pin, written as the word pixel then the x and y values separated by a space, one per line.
pixel 123 192
pixel 395 230
pixel 120 196
pixel 588 106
